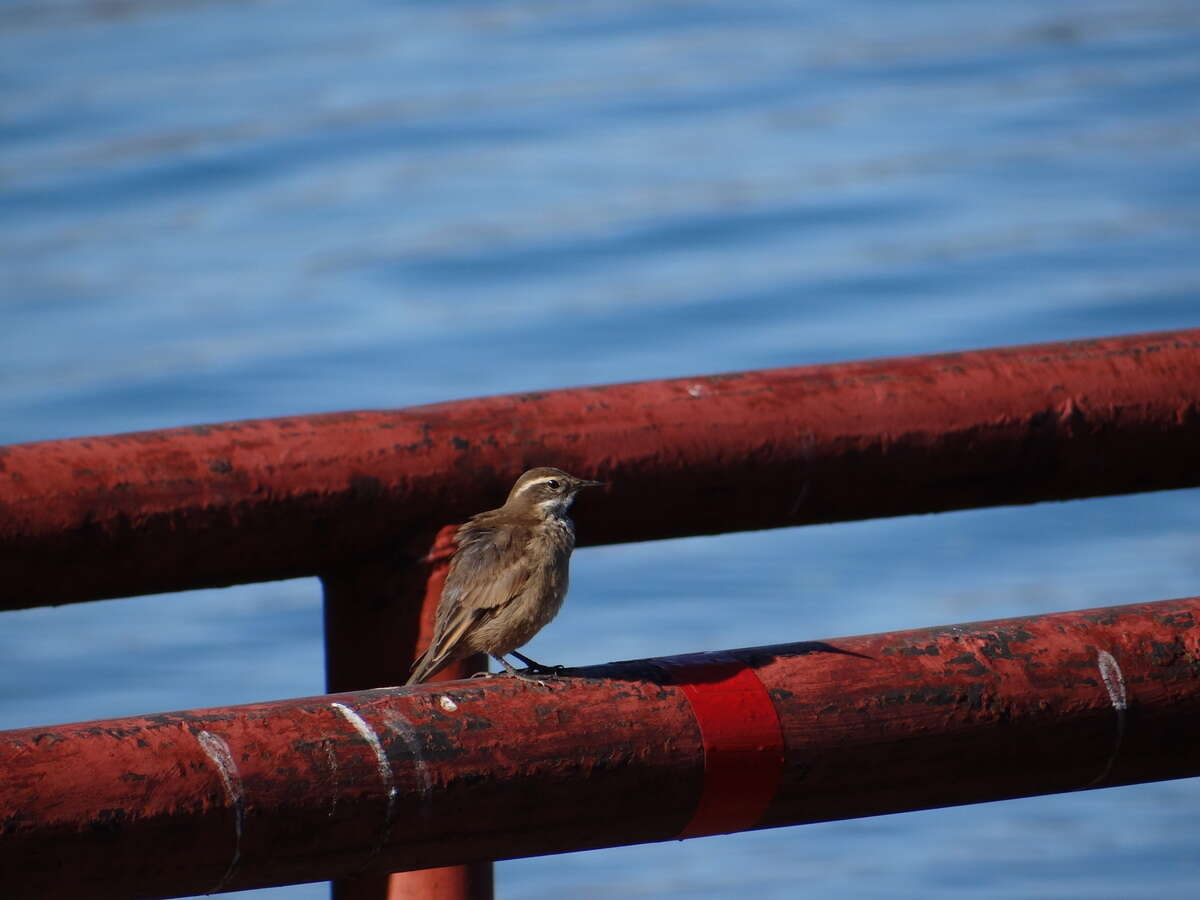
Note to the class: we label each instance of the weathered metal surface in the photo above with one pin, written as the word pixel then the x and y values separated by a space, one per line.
pixel 378 617
pixel 250 501
pixel 442 774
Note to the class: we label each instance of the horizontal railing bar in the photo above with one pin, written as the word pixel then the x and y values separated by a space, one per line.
pixel 276 498
pixel 325 787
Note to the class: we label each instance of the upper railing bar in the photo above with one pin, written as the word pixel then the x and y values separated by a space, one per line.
pixel 276 498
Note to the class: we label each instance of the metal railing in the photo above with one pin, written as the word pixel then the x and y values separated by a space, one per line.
pixel 364 500
pixel 447 774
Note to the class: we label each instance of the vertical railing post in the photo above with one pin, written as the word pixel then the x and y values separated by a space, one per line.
pixel 378 617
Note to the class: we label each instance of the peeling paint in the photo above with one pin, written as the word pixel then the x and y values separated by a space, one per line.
pixel 217 750
pixel 213 505
pixel 610 755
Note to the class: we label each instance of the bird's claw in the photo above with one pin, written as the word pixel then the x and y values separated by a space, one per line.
pixel 524 675
pixel 552 671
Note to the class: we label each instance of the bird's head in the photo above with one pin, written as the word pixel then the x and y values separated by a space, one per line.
pixel 546 491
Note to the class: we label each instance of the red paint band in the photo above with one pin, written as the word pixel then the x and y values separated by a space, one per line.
pixel 743 744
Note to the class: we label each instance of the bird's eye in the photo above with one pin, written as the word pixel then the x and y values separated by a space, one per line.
pixel 553 482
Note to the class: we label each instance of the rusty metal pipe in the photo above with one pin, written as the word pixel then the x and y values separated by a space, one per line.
pixel 376 781
pixel 276 498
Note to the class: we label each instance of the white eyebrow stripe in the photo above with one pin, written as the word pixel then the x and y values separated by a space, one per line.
pixel 541 480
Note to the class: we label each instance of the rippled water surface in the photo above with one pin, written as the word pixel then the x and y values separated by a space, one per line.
pixel 214 210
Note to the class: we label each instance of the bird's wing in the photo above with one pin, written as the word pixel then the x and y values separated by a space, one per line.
pixel 487 571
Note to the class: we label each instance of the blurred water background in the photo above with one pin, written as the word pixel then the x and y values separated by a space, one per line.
pixel 221 210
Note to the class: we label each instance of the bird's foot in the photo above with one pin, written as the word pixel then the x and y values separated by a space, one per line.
pixel 539 669
pixel 533 667
pixel 525 675
pixel 530 674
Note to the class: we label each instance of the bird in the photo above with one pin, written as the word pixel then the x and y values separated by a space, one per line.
pixel 508 575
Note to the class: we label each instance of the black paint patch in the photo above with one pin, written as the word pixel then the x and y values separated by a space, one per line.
pixel 969 659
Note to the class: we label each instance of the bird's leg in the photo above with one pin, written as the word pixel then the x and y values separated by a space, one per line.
pixel 523 675
pixel 537 668
pixel 525 659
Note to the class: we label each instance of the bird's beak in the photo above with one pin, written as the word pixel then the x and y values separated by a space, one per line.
pixel 583 483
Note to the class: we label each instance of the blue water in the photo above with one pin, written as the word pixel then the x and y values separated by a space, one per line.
pixel 220 210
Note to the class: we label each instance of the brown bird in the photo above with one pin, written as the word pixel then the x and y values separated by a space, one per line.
pixel 508 577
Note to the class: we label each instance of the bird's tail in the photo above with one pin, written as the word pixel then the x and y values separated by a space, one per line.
pixel 446 646
pixel 426 666
pixel 418 672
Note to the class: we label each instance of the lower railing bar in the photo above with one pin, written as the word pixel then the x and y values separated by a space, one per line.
pixel 450 773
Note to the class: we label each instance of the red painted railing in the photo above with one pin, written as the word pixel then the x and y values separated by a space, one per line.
pixel 362 499
pixel 442 774
pixel 275 498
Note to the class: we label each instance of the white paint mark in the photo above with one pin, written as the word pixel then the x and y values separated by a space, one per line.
pixel 400 726
pixel 447 703
pixel 331 758
pixel 369 735
pixel 696 390
pixel 1114 683
pixel 218 751
pixel 404 728
pixel 385 769
pixel 1110 673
